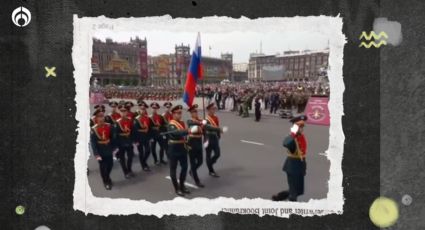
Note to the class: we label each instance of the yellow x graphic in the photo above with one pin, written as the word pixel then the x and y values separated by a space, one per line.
pixel 50 71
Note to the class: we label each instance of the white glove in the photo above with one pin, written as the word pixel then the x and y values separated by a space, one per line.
pixel 204 122
pixel 294 129
pixel 206 143
pixel 194 129
pixel 225 129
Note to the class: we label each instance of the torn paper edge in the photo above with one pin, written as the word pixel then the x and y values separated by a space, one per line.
pixel 85 201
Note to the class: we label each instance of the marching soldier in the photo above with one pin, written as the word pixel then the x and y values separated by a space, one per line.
pixel 177 151
pixel 295 165
pixel 114 115
pixel 167 118
pixel 128 106
pixel 213 134
pixel 93 118
pixel 123 128
pixel 158 125
pixel 167 114
pixel 141 126
pixel 102 143
pixel 195 144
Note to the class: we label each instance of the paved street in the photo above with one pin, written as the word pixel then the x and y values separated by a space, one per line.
pixel 250 165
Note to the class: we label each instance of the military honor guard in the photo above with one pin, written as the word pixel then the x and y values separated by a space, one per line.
pixel 141 130
pixel 128 106
pixel 158 126
pixel 195 144
pixel 177 150
pixel 295 163
pixel 213 133
pixel 167 114
pixel 167 118
pixel 123 128
pixel 93 118
pixel 114 115
pixel 102 143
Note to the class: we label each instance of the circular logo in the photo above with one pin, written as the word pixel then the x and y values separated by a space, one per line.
pixel 406 200
pixel 20 209
pixel 317 113
pixel 383 212
pixel 21 16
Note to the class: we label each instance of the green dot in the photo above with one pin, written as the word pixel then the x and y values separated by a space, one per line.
pixel 20 210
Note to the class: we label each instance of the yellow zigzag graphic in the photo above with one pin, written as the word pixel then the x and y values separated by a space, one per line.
pixel 372 34
pixel 372 43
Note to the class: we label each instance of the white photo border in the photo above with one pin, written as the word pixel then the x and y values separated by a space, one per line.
pixel 84 30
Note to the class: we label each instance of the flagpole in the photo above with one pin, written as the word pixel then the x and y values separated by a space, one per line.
pixel 203 96
pixel 202 83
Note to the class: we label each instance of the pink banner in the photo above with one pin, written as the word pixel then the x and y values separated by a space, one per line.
pixel 97 98
pixel 317 111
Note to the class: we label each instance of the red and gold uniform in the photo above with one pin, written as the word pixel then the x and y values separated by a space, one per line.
pixel 102 145
pixel 168 116
pixel 141 127
pixel 115 116
pixel 123 129
pixel 158 126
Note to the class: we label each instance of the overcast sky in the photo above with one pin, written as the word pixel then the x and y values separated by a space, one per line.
pixel 241 44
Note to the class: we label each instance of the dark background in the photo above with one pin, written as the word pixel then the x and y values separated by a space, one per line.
pixel 38 125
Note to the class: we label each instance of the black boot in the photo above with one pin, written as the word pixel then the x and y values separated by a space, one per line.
pixel 200 185
pixel 184 189
pixel 179 192
pixel 214 174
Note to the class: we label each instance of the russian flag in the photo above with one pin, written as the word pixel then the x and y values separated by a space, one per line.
pixel 194 73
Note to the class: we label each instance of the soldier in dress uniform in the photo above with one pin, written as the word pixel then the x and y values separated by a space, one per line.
pixel 177 150
pixel 141 128
pixel 130 105
pixel 295 164
pixel 158 126
pixel 123 131
pixel 102 141
pixel 213 133
pixel 195 144
pixel 114 115
pixel 168 116
pixel 93 118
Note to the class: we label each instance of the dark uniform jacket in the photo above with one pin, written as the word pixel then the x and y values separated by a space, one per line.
pixel 102 139
pixel 141 128
pixel 176 137
pixel 212 128
pixel 158 124
pixel 195 139
pixel 293 165
pixel 112 117
pixel 123 130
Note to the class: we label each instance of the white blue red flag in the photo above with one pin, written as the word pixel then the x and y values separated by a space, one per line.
pixel 194 73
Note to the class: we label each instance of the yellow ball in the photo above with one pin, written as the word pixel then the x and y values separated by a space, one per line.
pixel 383 212
pixel 20 210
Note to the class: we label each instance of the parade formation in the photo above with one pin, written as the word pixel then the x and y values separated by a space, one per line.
pixel 182 145
pixel 114 134
pixel 187 142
